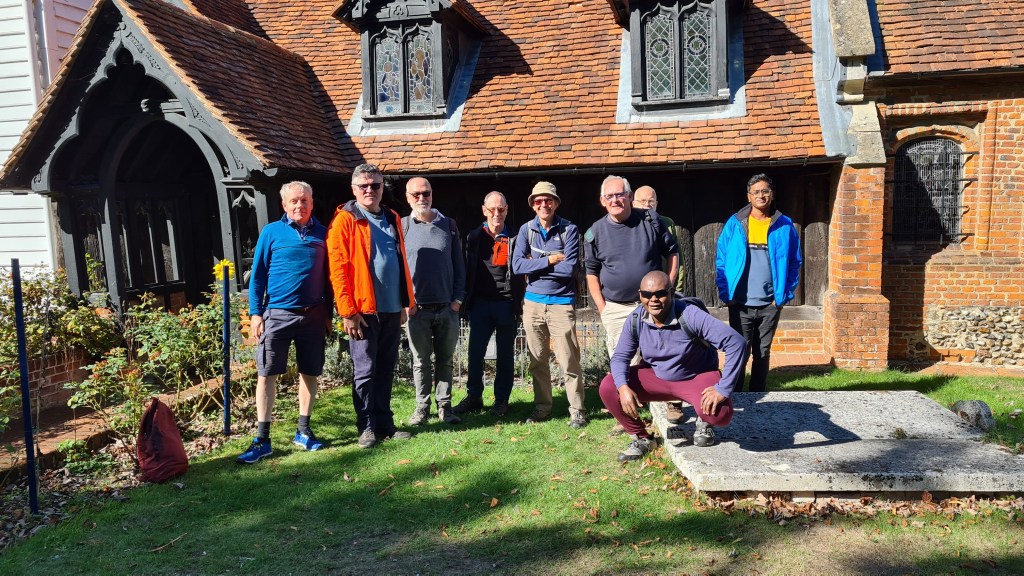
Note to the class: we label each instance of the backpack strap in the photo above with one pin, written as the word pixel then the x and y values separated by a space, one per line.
pixel 406 223
pixel 689 331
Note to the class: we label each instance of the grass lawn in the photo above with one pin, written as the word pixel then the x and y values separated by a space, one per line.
pixel 505 497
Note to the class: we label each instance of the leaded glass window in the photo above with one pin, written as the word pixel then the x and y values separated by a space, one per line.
pixel 387 76
pixel 403 71
pixel 927 191
pixel 679 51
pixel 420 85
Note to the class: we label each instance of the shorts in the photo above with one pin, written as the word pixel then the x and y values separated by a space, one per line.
pixel 282 327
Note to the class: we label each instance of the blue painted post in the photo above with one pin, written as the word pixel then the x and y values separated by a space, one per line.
pixel 26 400
pixel 227 353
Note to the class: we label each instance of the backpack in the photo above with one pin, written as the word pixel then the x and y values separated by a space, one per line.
pixel 686 301
pixel 160 450
pixel 579 272
pixel 452 228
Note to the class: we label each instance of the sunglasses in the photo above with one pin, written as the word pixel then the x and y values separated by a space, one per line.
pixel 370 186
pixel 541 201
pixel 647 295
pixel 419 194
pixel 498 210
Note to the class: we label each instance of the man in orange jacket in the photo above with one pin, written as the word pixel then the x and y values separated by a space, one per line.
pixel 372 292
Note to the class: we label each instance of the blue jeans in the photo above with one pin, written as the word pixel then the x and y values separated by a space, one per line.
pixel 486 317
pixel 373 361
pixel 433 332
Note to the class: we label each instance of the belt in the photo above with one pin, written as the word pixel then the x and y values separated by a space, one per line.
pixel 302 310
pixel 432 307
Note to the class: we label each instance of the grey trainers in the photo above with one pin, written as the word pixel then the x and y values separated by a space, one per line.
pixel 420 415
pixel 367 439
pixel 399 435
pixel 636 449
pixel 705 435
pixel 446 415
pixel 578 421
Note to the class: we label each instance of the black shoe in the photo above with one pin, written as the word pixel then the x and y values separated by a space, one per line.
pixel 398 435
pixel 499 410
pixel 469 404
pixel 538 417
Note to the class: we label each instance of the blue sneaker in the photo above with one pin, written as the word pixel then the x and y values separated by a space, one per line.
pixel 258 450
pixel 307 441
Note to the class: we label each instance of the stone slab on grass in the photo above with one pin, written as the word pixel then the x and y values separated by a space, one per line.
pixel 844 442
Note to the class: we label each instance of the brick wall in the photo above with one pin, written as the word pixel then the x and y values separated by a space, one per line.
pixel 948 302
pixel 48 377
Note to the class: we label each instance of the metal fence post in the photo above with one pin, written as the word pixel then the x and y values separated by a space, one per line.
pixel 26 400
pixel 227 351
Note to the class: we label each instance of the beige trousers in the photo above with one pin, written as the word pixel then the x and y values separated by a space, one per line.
pixel 548 325
pixel 613 318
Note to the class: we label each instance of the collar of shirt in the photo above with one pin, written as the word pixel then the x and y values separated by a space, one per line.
pixel 303 230
pixel 544 233
pixel 502 234
pixel 646 317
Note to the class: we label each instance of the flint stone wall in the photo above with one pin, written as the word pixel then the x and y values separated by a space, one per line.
pixel 979 334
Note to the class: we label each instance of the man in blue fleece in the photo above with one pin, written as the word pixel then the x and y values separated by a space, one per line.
pixel 289 301
pixel 678 346
pixel 547 250
pixel 757 268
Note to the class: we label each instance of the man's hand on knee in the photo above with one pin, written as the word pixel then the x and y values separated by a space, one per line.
pixel 630 403
pixel 710 400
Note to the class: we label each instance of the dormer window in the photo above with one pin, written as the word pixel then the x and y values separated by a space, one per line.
pixel 678 51
pixel 411 51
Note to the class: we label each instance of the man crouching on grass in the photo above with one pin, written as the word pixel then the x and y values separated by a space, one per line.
pixel 677 343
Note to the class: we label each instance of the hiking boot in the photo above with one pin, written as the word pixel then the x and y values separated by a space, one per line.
pixel 538 417
pixel 636 449
pixel 705 434
pixel 469 404
pixel 578 421
pixel 676 436
pixel 674 412
pixel 258 450
pixel 368 439
pixel 447 415
pixel 499 409
pixel 307 441
pixel 420 415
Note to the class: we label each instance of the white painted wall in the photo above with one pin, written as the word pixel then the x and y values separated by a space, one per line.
pixel 34 36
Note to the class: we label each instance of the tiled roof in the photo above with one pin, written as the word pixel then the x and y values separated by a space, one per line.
pixel 260 91
pixel 545 90
pixel 951 35
pixel 234 13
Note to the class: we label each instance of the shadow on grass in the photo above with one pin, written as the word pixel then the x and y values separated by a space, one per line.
pixel 792 381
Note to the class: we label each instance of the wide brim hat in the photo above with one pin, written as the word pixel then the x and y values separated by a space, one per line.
pixel 544 189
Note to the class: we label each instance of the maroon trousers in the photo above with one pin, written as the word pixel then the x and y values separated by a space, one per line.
pixel 648 387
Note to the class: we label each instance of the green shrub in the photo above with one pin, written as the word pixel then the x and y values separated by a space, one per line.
pixel 79 461
pixel 118 390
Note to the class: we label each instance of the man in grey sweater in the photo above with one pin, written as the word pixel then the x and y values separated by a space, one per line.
pixel 434 253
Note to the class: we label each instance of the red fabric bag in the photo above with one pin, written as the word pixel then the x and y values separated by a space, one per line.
pixel 160 449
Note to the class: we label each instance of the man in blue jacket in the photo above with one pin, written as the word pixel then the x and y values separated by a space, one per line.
pixel 678 346
pixel 547 250
pixel 289 301
pixel 757 269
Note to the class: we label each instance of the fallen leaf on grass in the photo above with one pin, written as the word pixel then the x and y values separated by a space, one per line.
pixel 514 491
pixel 556 478
pixel 386 489
pixel 487 441
pixel 495 502
pixel 534 512
pixel 433 469
pixel 513 439
pixel 453 452
pixel 346 477
pixel 405 461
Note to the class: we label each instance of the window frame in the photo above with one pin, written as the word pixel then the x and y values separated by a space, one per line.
pixel 718 52
pixel 944 234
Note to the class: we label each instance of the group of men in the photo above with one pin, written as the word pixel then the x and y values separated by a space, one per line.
pixel 381 271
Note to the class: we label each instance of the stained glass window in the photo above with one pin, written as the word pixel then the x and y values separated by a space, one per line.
pixel 421 93
pixel 387 74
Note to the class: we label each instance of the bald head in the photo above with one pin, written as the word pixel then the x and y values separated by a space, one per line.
pixel 654 280
pixel 419 195
pixel 645 197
